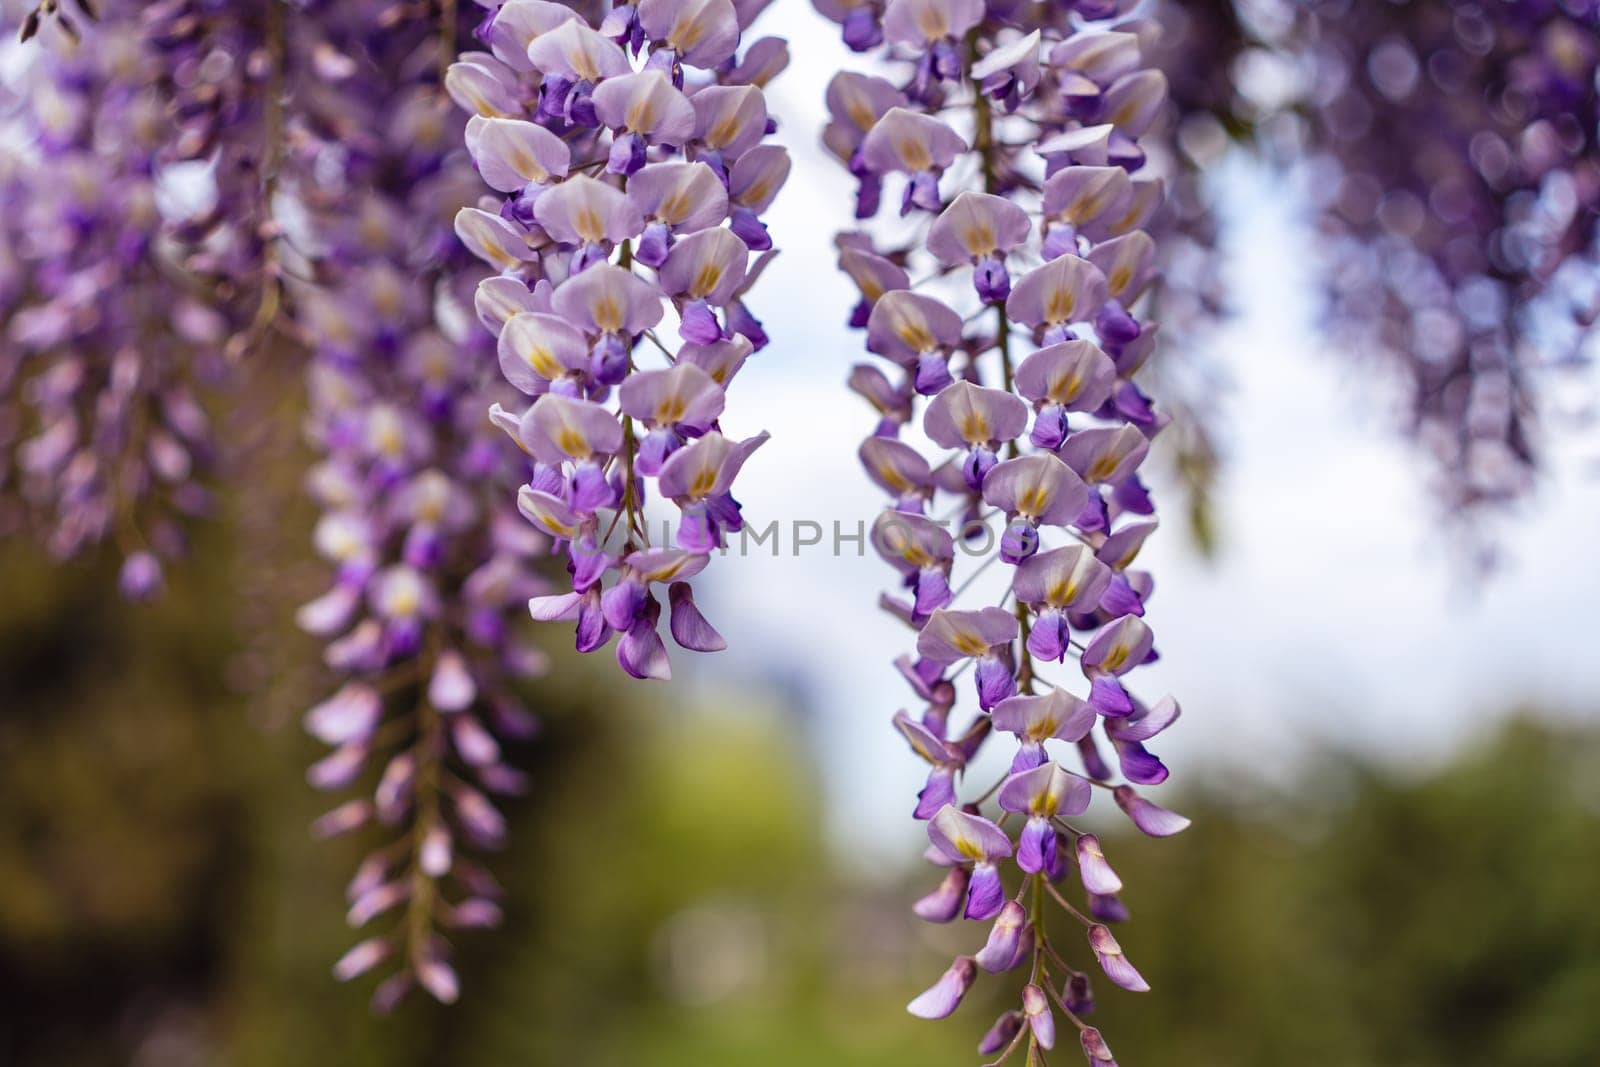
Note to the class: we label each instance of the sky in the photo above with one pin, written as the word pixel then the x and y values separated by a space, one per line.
pixel 1336 612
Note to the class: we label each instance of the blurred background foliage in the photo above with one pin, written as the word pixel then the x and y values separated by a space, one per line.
pixel 673 901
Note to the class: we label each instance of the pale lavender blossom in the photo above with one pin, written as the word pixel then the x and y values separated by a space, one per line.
pixel 631 169
pixel 1018 307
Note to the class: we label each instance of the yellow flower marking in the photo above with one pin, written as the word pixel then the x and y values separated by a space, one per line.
pixel 931 22
pixel 1102 468
pixel 543 361
pixel 571 442
pixel 892 477
pixel 1044 729
pixel 969 644
pixel 560 529
pixel 979 238
pixel 1032 501
pixel 527 166
pixel 859 108
pixel 722 132
pixel 607 313
pixel 642 115
pixel 687 31
pixel 674 207
pixel 1059 304
pixel 583 64
pixel 706 280
pixel 969 848
pixel 757 192
pixel 588 224
pixel 705 480
pixel 913 330
pixel 914 154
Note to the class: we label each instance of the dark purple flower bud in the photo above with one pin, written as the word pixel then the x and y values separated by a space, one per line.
pixel 1001 1034
pixel 627 154
pixel 862 30
pixel 994 680
pixel 1095 1049
pixel 1020 540
pixel 1108 909
pixel 654 245
pixel 991 280
pixel 933 373
pixel 1079 994
pixel 1094 765
pixel 749 228
pixel 699 323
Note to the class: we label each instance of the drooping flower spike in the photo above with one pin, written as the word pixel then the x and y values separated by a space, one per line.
pixel 1008 332
pixel 106 366
pixel 1466 262
pixel 631 173
pixel 433 567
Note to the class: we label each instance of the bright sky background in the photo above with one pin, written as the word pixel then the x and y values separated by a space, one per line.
pixel 1335 612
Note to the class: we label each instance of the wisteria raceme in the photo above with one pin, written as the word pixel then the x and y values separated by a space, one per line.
pixel 630 174
pixel 1457 147
pixel 432 563
pixel 224 73
pixel 1009 327
pixel 106 359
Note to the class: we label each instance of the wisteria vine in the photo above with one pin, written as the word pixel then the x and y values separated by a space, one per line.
pixel 433 564
pixel 1012 132
pixel 106 361
pixel 614 185
pixel 1466 262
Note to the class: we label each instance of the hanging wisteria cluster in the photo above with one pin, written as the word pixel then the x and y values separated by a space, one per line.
pixel 1468 259
pixel 1005 312
pixel 105 358
pixel 630 173
pixel 432 561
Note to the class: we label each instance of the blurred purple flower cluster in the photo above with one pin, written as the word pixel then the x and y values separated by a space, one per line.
pixel 1454 149
pixel 106 356
pixel 1007 309
pixel 630 171
pixel 431 561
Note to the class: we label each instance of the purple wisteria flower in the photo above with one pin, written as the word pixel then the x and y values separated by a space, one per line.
pixel 431 564
pixel 1020 312
pixel 1466 261
pixel 631 172
pixel 106 366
